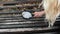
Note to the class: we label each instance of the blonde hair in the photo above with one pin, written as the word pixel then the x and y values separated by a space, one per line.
pixel 51 11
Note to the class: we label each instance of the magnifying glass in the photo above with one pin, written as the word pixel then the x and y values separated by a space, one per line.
pixel 27 14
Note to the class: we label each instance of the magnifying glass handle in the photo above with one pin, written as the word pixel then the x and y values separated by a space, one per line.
pixel 32 14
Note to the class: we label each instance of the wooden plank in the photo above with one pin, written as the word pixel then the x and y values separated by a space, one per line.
pixel 27 29
pixel 23 1
pixel 7 0
pixel 21 6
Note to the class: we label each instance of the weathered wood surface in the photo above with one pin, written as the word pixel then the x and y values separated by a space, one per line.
pixel 28 29
pixel 12 21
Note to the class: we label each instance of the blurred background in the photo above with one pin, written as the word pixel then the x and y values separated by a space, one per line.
pixel 12 22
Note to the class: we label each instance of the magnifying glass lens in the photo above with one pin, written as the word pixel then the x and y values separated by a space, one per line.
pixel 27 15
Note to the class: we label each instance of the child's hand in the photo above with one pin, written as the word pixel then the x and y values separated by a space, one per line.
pixel 38 14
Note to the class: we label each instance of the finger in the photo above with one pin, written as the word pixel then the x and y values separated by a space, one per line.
pixel 36 15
